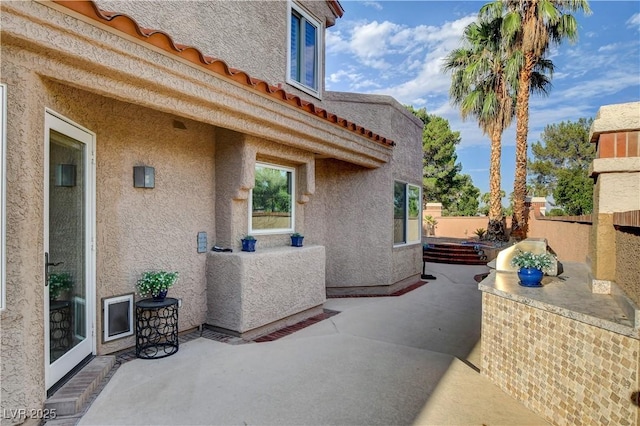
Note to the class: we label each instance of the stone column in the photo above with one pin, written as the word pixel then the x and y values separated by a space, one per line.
pixel 616 174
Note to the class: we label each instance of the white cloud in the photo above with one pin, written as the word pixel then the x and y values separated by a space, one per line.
pixel 634 21
pixel 610 47
pixel 334 43
pixel 373 4
pixel 371 42
pixel 342 75
pixel 599 85
pixel 366 84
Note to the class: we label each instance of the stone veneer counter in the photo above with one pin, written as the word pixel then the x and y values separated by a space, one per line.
pixel 568 295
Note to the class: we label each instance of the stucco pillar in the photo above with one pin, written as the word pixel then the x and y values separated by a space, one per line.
pixel 22 323
pixel 235 176
pixel 603 247
pixel 616 172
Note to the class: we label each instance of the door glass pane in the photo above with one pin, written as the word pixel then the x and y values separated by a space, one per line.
pixel 67 263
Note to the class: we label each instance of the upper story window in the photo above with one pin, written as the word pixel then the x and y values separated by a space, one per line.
pixel 407 223
pixel 271 203
pixel 303 69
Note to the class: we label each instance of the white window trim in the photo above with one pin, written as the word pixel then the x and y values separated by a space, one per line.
pixel 293 203
pixel 406 206
pixel 3 199
pixel 319 51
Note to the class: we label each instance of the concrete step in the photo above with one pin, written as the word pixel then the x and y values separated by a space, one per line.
pixel 72 396
pixel 455 261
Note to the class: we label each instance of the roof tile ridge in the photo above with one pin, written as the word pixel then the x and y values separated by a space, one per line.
pixel 165 42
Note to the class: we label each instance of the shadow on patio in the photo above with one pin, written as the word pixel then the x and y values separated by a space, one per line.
pixel 411 359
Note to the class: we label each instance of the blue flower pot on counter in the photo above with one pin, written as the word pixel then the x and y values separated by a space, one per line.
pixel 296 240
pixel 530 277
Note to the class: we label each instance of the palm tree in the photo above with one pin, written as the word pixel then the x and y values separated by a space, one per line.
pixel 482 85
pixel 529 27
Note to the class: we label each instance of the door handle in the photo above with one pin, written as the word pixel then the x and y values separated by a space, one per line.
pixel 47 265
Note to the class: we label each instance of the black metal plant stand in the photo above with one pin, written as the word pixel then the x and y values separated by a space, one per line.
pixel 156 328
pixel 59 328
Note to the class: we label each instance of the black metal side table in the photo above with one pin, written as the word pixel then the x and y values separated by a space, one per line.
pixel 156 328
pixel 59 328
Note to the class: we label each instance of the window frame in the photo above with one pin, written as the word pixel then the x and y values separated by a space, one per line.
pixel 291 229
pixel 407 216
pixel 306 17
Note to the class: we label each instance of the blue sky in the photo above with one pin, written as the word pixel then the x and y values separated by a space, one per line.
pixel 396 48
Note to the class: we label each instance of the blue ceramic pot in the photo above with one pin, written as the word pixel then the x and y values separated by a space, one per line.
pixel 248 245
pixel 530 277
pixel 296 241
pixel 162 294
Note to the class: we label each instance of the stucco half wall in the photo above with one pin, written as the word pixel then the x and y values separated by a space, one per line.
pixel 252 293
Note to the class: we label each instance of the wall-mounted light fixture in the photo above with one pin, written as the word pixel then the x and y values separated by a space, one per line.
pixel 144 177
pixel 66 175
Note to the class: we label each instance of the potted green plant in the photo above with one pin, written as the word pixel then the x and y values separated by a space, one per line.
pixel 156 284
pixel 249 243
pixel 58 284
pixel 531 267
pixel 296 239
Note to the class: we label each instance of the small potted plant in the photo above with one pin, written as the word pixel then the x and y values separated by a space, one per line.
pixel 58 284
pixel 296 239
pixel 249 243
pixel 532 267
pixel 156 284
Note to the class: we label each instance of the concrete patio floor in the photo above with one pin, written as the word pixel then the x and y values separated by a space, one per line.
pixel 405 360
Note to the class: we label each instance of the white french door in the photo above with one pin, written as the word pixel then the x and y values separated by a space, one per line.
pixel 69 212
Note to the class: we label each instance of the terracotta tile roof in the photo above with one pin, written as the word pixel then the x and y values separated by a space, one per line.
pixel 336 7
pixel 162 40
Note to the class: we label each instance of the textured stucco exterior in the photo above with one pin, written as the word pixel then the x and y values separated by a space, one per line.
pixel 628 262
pixel 235 22
pixel 250 290
pixel 615 118
pixel 203 134
pixel 365 256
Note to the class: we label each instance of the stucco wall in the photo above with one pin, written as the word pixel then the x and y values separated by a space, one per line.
pixel 150 229
pixel 628 262
pixel 146 229
pixel 569 240
pixel 247 35
pixel 352 217
pixel 617 179
pixel 251 290
pixel 136 229
pixel 22 323
pixel 236 157
pixel 359 237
